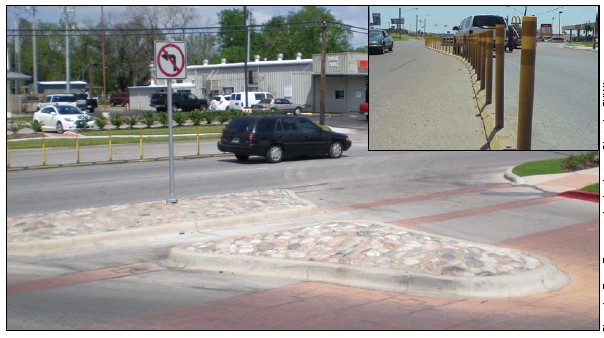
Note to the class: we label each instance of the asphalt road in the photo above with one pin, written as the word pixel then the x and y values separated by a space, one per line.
pixel 418 97
pixel 565 111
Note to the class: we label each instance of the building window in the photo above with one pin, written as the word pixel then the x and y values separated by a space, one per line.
pixel 339 94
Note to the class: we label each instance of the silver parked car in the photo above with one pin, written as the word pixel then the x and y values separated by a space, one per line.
pixel 273 104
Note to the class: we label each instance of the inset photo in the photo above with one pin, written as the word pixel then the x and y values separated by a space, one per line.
pixel 483 77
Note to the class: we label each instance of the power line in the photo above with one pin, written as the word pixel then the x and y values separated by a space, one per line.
pixel 181 30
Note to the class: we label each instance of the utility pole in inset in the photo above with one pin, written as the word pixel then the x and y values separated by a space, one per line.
pixel 323 51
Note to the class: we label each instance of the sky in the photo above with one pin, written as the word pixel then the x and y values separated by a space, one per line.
pixel 442 18
pixel 352 15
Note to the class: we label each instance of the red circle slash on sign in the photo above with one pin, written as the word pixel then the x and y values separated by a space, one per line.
pixel 165 54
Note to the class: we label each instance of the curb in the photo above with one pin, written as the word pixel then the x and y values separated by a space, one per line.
pixel 34 248
pixel 510 176
pixel 546 278
pixel 498 139
pixel 85 164
pixel 581 195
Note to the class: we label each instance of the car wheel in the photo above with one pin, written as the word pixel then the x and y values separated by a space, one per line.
pixel 298 111
pixel 112 104
pixel 274 154
pixel 335 149
pixel 242 157
pixel 391 47
pixel 59 128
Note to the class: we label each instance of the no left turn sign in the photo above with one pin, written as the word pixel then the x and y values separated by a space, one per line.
pixel 170 60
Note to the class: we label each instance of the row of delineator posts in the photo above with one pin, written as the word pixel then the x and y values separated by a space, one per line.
pixel 477 50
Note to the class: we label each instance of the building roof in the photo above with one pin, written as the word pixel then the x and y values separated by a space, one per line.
pixel 254 64
pixel 12 76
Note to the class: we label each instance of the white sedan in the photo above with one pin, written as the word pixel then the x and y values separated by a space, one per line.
pixel 220 102
pixel 61 117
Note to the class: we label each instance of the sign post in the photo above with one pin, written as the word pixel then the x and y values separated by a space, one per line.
pixel 171 63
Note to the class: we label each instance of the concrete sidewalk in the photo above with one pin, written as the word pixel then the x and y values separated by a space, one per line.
pixel 276 233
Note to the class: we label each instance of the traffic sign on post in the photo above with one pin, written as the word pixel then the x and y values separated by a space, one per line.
pixel 171 63
pixel 170 60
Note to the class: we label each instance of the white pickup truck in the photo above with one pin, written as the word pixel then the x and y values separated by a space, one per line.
pixel 54 99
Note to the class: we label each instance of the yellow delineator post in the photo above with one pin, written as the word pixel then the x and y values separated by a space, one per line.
pixel 483 53
pixel 43 148
pixel 77 148
pixel 499 52
pixel 140 143
pixel 527 82
pixel 489 67
pixel 110 150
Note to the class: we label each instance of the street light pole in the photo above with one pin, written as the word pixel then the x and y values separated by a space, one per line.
pixel 559 31
pixel 67 10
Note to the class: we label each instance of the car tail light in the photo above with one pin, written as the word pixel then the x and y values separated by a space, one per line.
pixel 250 138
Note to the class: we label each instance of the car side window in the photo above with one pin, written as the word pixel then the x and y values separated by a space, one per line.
pixel 289 125
pixel 307 126
pixel 265 125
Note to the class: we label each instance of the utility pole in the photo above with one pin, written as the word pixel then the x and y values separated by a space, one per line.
pixel 34 50
pixel 323 51
pixel 67 10
pixel 247 42
pixel 104 96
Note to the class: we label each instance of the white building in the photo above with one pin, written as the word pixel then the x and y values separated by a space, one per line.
pixel 346 77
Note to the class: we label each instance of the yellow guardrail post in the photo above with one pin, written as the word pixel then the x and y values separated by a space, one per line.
pixel 489 67
pixel 140 143
pixel 110 148
pixel 43 148
pixel 527 82
pixel 77 148
pixel 198 145
pixel 483 54
pixel 499 52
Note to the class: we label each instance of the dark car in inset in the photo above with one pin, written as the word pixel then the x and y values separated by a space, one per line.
pixel 380 41
pixel 278 136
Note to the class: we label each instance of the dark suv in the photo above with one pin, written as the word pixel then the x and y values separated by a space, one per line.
pixel 275 136
pixel 119 99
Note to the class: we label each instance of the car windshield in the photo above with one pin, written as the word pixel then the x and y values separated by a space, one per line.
pixel 69 110
pixel 66 98
pixel 375 34
pixel 488 21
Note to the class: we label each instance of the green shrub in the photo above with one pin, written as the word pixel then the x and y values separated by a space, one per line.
pixel 163 119
pixel 83 122
pixel 14 127
pixel 36 126
pixel 196 116
pixel 101 122
pixel 117 120
pixel 180 118
pixel 581 161
pixel 208 116
pixel 131 121
pixel 148 119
